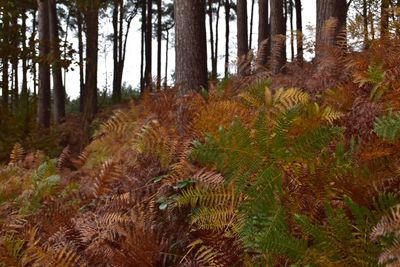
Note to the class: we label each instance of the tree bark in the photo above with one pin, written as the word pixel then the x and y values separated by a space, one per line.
pixel 159 43
pixel 59 92
pixel 5 61
pixel 291 8
pixel 116 95
pixel 227 6
pixel 251 25
pixel 142 50
pixel 327 35
pixel 210 26
pixel 44 105
pixel 191 45
pixel 278 48
pixel 148 43
pixel 242 33
pixel 92 22
pixel 384 18
pixel 215 67
pixel 299 31
pixel 81 62
pixel 264 32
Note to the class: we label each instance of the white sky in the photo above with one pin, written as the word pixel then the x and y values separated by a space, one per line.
pixel 132 65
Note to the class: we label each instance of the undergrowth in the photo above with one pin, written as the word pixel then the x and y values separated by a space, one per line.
pixel 246 174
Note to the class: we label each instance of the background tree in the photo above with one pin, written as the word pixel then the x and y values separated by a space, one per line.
pixel 44 104
pixel 59 90
pixel 299 31
pixel 264 33
pixel 191 45
pixel 278 35
pixel 242 32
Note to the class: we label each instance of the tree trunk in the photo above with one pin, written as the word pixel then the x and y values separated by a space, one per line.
pixel 227 31
pixel 24 88
pixel 291 8
pixel 59 92
pixel 15 60
pixel 149 37
pixel 384 18
pixel 278 48
pixel 33 48
pixel 92 30
pixel 159 39
pixel 251 24
pixel 116 95
pixel 81 63
pixel 242 34
pixel 299 31
pixel 166 61
pixel 331 21
pixel 44 105
pixel 264 31
pixel 142 52
pixel 210 25
pixel 5 61
pixel 215 67
pixel 191 45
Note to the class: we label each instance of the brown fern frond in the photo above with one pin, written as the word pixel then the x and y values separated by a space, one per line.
pixel 82 158
pixel 17 154
pixel 64 158
pixel 244 64
pixel 110 173
pixel 262 56
pixel 388 224
pixel 116 124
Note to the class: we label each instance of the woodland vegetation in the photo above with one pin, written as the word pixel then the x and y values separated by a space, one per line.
pixel 289 161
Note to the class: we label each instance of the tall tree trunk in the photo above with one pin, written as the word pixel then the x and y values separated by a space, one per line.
pixel 242 33
pixel 44 99
pixel 329 10
pixel 191 45
pixel 278 54
pixel 149 37
pixel 264 30
pixel 227 6
pixel 299 31
pixel 15 60
pixel 215 67
pixel 33 47
pixel 384 18
pixel 92 22
pixel 59 92
pixel 251 24
pixel 166 61
pixel 210 26
pixel 159 39
pixel 24 88
pixel 365 23
pixel 66 38
pixel 116 95
pixel 142 52
pixel 81 63
pixel 291 8
pixel 5 61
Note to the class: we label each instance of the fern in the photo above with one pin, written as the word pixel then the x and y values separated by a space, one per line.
pixel 17 154
pixel 388 127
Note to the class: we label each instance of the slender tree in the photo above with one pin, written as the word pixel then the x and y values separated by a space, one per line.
pixel 143 48
pixel 59 91
pixel 91 15
pixel 81 60
pixel 5 58
pixel 210 25
pixel 159 43
pixel 299 31
pixel 191 45
pixel 116 95
pixel 44 104
pixel 227 6
pixel 148 44
pixel 384 18
pixel 242 33
pixel 251 24
pixel 264 32
pixel 278 54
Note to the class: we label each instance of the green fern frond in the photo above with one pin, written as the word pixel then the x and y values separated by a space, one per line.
pixel 388 127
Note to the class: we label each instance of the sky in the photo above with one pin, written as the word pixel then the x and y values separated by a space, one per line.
pixel 132 65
